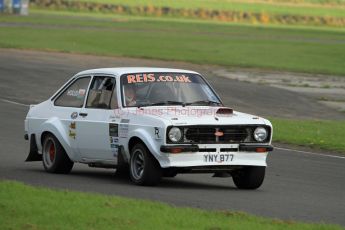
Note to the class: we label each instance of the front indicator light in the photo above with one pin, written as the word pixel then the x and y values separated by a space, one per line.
pixel 176 150
pixel 261 150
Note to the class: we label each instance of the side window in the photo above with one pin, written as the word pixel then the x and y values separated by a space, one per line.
pixel 74 95
pixel 101 93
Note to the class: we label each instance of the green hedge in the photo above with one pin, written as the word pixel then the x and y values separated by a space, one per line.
pixel 201 13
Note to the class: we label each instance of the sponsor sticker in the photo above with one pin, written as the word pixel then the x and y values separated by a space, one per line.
pixel 78 93
pixel 73 93
pixel 114 140
pixel 114 149
pixel 151 77
pixel 123 130
pixel 71 131
pixel 82 92
pixel 113 146
pixel 113 130
pixel 74 115
pixel 157 133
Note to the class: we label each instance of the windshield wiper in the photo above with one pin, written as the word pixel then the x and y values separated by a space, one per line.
pixel 208 102
pixel 167 103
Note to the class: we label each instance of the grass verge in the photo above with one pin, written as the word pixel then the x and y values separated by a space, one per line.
pixel 328 135
pixel 27 207
pixel 292 49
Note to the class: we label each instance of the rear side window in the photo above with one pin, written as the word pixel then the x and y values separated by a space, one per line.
pixel 75 94
pixel 101 93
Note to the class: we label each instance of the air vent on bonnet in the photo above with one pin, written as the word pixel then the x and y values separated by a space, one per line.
pixel 224 111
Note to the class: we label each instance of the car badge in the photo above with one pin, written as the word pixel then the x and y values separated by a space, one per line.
pixel 219 134
pixel 74 115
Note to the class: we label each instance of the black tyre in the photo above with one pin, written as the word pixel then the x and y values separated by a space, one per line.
pixel 250 177
pixel 144 168
pixel 55 159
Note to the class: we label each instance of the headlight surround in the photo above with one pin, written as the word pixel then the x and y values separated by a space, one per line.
pixel 175 134
pixel 260 134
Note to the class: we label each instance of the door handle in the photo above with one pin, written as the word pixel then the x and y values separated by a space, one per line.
pixel 83 114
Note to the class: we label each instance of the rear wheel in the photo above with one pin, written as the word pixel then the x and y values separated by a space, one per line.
pixel 144 168
pixel 250 177
pixel 55 159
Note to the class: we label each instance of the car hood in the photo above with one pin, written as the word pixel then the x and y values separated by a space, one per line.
pixel 198 115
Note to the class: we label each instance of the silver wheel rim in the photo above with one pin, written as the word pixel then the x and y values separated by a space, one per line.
pixel 49 152
pixel 137 164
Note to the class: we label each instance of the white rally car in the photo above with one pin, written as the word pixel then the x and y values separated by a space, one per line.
pixel 150 123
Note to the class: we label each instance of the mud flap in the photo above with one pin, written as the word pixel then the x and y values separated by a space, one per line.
pixel 33 154
pixel 122 162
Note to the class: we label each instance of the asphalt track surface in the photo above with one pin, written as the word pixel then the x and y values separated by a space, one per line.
pixel 298 186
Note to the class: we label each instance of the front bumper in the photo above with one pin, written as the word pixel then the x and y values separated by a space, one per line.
pixel 214 155
pixel 226 148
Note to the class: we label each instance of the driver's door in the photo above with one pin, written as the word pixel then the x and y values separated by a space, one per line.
pixel 93 128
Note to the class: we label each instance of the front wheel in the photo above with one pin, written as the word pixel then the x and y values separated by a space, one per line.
pixel 250 177
pixel 55 159
pixel 144 168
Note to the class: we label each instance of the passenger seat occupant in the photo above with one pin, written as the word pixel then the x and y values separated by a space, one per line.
pixel 130 96
pixel 161 93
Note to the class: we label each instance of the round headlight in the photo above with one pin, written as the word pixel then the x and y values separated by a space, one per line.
pixel 260 134
pixel 175 134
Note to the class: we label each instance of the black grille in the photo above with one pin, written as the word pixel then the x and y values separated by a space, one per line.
pixel 235 134
pixel 228 134
pixel 207 135
pixel 200 134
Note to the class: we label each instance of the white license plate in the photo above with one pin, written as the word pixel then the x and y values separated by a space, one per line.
pixel 218 158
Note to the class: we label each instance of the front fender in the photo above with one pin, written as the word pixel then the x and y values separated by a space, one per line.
pixel 55 126
pixel 152 144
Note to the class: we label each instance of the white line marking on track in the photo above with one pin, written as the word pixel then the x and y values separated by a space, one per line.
pixel 306 152
pixel 13 102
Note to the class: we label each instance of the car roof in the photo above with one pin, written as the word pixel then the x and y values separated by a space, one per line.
pixel 118 71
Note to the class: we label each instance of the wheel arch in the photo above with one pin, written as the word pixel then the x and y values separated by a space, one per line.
pixel 44 134
pixel 143 172
pixel 132 142
pixel 142 137
pixel 55 127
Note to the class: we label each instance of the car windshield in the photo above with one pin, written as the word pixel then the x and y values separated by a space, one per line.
pixel 156 89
